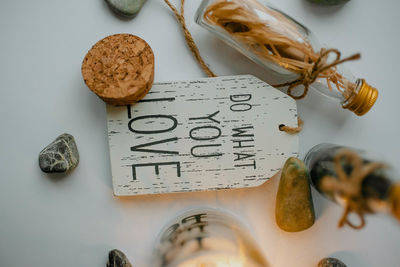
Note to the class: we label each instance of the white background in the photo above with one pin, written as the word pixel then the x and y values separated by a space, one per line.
pixel 49 220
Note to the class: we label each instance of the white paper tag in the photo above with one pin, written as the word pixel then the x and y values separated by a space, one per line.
pixel 212 133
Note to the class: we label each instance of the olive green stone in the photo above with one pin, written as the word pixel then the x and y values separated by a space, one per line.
pixel 294 210
pixel 329 2
pixel 127 8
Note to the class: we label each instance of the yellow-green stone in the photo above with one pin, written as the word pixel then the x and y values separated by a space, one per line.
pixel 294 209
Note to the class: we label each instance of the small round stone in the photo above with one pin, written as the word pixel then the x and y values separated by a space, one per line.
pixel 331 262
pixel 61 155
pixel 126 8
pixel 119 69
pixel 117 258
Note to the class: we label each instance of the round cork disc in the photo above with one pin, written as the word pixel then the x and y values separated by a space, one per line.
pixel 119 69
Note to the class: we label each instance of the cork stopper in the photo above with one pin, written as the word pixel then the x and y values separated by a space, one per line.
pixel 363 101
pixel 395 200
pixel 119 69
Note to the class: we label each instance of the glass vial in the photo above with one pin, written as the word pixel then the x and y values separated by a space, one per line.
pixel 377 193
pixel 282 45
pixel 206 238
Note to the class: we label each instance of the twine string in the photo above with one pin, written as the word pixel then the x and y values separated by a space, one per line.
pixel 349 186
pixel 292 130
pixel 188 37
pixel 310 75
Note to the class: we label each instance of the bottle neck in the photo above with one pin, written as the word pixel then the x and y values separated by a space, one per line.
pixel 363 98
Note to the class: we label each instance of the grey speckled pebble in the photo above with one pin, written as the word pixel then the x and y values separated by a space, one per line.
pixel 331 262
pixel 117 258
pixel 59 156
pixel 127 8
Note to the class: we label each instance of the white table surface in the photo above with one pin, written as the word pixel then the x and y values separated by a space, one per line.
pixel 75 220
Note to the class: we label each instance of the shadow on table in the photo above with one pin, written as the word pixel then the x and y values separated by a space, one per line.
pixel 321 10
pixel 320 203
pixel 57 177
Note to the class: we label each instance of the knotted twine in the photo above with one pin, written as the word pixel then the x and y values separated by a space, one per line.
pixel 349 186
pixel 315 70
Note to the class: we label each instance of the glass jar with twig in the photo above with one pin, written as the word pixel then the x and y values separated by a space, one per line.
pixel 280 44
pixel 354 179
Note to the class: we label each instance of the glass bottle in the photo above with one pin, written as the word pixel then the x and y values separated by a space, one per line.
pixel 282 45
pixel 206 238
pixel 348 168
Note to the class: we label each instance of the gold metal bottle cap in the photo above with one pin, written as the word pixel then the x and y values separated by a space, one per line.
pixel 363 101
pixel 395 200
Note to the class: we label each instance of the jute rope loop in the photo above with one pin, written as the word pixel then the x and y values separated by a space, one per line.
pixel 349 187
pixel 292 130
pixel 180 16
pixel 312 73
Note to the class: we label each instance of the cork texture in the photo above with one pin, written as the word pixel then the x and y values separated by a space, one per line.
pixel 119 69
